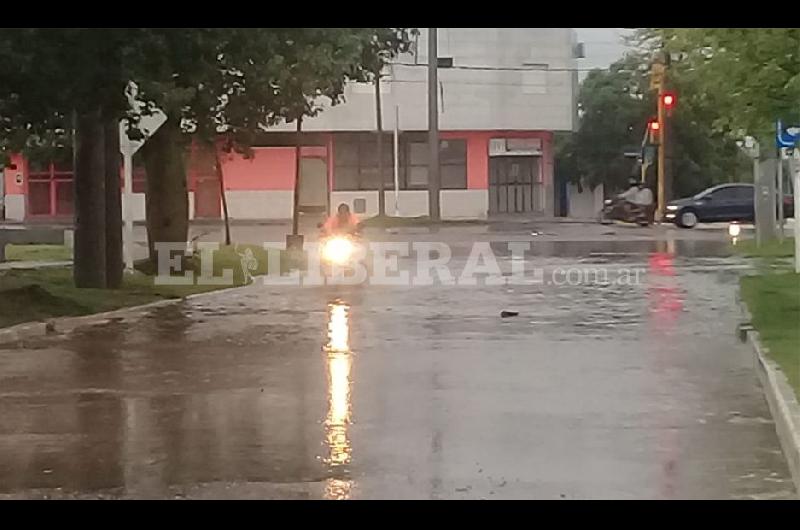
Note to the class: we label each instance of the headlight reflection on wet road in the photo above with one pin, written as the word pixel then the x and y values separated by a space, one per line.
pixel 339 362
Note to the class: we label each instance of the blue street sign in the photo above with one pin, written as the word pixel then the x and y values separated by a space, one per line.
pixel 788 137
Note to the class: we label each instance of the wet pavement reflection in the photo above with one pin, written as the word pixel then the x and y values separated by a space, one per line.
pixel 353 392
pixel 339 361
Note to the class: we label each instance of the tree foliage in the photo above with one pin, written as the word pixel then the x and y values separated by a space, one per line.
pixel 210 82
pixel 750 77
pixel 615 106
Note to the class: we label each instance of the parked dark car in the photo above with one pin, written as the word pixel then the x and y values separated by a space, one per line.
pixel 723 203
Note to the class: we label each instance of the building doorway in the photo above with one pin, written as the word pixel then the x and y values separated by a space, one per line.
pixel 514 184
pixel 313 192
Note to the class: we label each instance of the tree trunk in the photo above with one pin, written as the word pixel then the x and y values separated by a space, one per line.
pixel 221 178
pixel 379 121
pixel 89 269
pixel 166 198
pixel 114 264
pixel 296 204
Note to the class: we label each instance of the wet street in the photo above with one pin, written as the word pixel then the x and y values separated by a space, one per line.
pixel 595 390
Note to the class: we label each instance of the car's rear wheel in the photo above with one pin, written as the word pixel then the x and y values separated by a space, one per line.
pixel 687 219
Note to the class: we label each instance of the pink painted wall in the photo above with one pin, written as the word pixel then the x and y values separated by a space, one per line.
pixel 11 186
pixel 478 153
pixel 270 168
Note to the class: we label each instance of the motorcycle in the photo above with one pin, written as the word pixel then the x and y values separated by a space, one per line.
pixel 341 251
pixel 618 209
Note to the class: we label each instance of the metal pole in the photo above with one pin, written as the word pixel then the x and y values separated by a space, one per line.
pixel 757 182
pixel 781 154
pixel 795 167
pixel 296 201
pixel 433 125
pixel 397 160
pixel 127 212
pixel 661 154
pixel 379 123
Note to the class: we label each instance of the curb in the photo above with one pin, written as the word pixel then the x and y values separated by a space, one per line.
pixel 64 325
pixel 782 401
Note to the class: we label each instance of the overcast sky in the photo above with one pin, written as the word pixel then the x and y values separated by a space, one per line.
pixel 602 46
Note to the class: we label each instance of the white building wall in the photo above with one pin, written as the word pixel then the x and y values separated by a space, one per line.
pixel 15 207
pixel 253 204
pixel 454 204
pixel 536 91
pixel 348 197
pixel 413 203
pixel 464 204
pixel 585 204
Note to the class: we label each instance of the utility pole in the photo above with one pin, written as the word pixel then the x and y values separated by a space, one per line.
pixel 294 241
pixel 666 101
pixel 781 156
pixel 433 125
pixel 794 164
pixel 662 203
pixel 379 124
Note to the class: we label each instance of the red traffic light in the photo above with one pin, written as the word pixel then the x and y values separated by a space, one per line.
pixel 668 100
pixel 653 125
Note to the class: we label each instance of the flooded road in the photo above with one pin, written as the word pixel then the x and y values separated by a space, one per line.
pixel 596 390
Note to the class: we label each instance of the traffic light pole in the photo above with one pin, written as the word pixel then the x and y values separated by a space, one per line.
pixel 662 139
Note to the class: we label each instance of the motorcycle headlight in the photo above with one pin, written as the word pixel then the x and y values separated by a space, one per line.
pixel 671 207
pixel 607 202
pixel 337 250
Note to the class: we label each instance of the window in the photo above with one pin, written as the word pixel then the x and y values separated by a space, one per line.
pixel 445 62
pixel 453 162
pixel 725 194
pixel 356 162
pixel 417 172
pixel 745 193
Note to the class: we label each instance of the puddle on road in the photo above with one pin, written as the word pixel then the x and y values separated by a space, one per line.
pixel 339 362
pixel 225 428
pixel 614 250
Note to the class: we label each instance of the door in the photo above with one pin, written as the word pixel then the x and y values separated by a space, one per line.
pixel 512 184
pixel 722 204
pixel 207 195
pixel 207 199
pixel 745 203
pixel 313 192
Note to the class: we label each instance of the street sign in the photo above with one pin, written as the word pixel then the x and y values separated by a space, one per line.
pixel 148 125
pixel 788 137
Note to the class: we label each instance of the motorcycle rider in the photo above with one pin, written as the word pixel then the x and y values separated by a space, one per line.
pixel 638 197
pixel 644 197
pixel 344 222
pixel 629 195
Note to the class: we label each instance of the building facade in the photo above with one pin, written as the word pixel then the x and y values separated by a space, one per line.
pixel 503 92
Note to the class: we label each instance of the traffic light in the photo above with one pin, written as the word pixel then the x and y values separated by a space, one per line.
pixel 653 130
pixel 668 101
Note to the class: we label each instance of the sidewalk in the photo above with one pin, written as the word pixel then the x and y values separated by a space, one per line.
pixel 28 265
